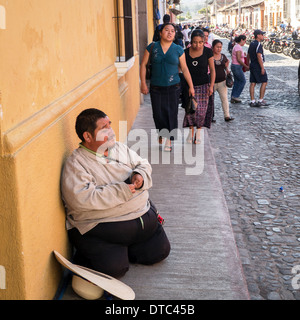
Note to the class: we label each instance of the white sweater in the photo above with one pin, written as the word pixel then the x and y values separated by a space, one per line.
pixel 94 190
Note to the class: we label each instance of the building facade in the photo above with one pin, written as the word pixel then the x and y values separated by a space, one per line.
pixel 262 14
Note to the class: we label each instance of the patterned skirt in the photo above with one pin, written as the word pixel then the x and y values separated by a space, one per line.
pixel 205 109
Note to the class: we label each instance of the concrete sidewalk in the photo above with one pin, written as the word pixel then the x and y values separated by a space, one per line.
pixel 204 261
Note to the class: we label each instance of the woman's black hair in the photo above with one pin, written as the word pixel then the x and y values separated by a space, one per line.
pixel 215 42
pixel 167 24
pixel 240 38
pixel 197 33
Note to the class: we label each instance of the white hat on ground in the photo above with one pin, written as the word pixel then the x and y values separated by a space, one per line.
pixel 101 280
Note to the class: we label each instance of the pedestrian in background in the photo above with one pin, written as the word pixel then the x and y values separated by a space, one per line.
pixel 221 67
pixel 258 73
pixel 165 87
pixel 185 33
pixel 231 42
pixel 198 59
pixel 207 43
pixel 237 64
pixel 295 33
pixel 179 37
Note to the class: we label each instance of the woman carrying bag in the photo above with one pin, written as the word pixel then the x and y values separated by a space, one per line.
pixel 221 66
pixel 165 88
pixel 199 58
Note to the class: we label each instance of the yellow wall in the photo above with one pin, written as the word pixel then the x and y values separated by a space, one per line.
pixel 56 59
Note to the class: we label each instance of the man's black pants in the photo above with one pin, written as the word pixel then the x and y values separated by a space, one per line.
pixel 109 247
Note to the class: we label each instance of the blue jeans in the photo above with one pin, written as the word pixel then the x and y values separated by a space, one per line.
pixel 239 80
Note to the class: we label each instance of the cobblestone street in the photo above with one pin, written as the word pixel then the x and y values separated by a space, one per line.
pixel 256 155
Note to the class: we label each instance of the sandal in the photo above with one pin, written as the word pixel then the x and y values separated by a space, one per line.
pixel 189 140
pixel 197 137
pixel 168 148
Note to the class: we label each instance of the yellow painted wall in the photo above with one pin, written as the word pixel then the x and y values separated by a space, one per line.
pixel 56 59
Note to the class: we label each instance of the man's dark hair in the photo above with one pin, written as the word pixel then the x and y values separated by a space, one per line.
pixel 87 121
pixel 166 18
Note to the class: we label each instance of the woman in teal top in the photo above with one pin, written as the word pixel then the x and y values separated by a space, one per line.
pixel 165 66
pixel 166 59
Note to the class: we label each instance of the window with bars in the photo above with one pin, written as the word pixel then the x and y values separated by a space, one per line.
pixel 271 19
pixel 124 35
pixel 298 9
pixel 286 9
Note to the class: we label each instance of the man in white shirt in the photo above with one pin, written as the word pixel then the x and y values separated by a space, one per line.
pixel 110 220
pixel 208 37
pixel 185 33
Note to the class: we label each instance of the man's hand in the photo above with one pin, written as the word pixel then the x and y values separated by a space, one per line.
pixel 137 180
pixel 132 188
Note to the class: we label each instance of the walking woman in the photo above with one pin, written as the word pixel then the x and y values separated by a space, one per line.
pixel 237 65
pixel 199 58
pixel 221 66
pixel 165 88
pixel 231 42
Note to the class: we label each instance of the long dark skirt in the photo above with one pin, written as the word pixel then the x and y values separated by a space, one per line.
pixel 205 109
pixel 165 102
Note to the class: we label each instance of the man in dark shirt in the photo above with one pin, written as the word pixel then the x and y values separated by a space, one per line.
pixel 258 73
pixel 295 33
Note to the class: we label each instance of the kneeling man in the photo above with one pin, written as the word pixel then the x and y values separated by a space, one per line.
pixel 105 186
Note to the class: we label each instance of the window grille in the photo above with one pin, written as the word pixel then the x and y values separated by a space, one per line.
pixel 298 9
pixel 124 31
pixel 285 9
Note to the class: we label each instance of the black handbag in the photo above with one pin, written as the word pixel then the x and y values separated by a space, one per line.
pixel 191 106
pixel 229 80
pixel 148 65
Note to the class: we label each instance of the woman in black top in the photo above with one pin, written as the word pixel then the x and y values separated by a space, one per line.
pixel 199 61
pixel 221 66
